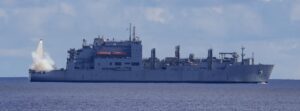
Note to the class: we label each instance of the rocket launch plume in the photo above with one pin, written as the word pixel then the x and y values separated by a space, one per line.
pixel 41 60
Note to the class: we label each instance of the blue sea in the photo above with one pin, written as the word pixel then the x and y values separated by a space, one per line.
pixel 18 94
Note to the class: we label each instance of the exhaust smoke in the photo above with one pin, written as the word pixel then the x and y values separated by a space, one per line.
pixel 41 60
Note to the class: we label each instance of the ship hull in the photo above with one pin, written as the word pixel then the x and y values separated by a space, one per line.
pixel 230 74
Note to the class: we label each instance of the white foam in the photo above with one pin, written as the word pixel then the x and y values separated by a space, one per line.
pixel 41 60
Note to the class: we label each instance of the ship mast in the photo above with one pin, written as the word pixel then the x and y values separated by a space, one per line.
pixel 130 32
pixel 133 34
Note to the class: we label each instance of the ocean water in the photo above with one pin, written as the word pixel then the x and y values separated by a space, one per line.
pixel 18 94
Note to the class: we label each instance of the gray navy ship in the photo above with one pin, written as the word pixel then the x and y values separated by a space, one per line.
pixel 121 61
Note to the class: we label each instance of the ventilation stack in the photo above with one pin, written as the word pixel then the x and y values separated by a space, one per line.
pixel 177 54
pixel 153 57
pixel 210 59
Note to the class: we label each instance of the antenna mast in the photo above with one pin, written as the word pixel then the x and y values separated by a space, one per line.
pixel 84 43
pixel 133 34
pixel 130 32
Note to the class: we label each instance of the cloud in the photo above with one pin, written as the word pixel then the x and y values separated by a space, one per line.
pixel 209 20
pixel 35 20
pixel 67 9
pixel 159 15
pixel 266 0
pixel 3 13
pixel 8 2
pixel 13 52
pixel 227 19
pixel 217 9
pixel 245 18
pixel 269 1
pixel 295 12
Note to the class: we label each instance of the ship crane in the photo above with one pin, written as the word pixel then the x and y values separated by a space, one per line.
pixel 233 54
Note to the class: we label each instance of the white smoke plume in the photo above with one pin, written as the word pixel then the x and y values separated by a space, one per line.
pixel 41 60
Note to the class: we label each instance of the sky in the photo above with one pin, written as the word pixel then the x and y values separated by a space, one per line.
pixel 269 28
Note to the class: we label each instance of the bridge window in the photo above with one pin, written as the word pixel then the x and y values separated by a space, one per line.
pixel 135 64
pixel 118 63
